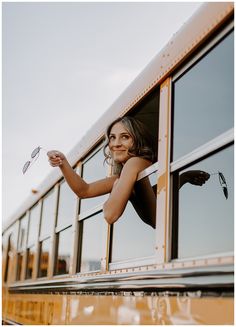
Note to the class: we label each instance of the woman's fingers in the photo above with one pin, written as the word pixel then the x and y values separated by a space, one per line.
pixel 55 158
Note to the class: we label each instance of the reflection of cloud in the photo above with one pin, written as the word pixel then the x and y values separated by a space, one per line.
pixel 126 315
pixel 88 310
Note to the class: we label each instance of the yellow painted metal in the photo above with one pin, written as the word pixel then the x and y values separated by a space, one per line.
pixel 44 309
pixel 163 172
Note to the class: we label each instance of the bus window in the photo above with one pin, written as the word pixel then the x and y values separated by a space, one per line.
pixel 93 169
pixel 9 258
pixel 48 214
pixel 66 206
pixel 32 239
pixel 46 228
pixel 44 257
pixel 64 250
pixel 147 111
pixel 21 246
pixel 31 254
pixel 202 138
pixel 205 213
pixel 138 217
pixel 94 240
pixel 203 99
pixel 11 247
pixel 66 214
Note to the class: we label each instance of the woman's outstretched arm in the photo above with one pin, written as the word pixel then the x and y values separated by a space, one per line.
pixel 76 183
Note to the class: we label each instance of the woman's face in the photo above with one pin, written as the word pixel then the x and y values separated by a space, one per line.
pixel 120 141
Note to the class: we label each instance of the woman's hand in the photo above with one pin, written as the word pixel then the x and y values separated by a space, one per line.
pixel 56 158
pixel 195 177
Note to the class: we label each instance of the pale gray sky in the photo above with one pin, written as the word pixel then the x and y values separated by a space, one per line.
pixel 63 65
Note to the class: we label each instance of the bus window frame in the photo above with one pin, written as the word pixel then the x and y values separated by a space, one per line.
pixel 33 244
pixel 215 145
pixel 203 52
pixel 22 250
pixel 141 261
pixel 54 191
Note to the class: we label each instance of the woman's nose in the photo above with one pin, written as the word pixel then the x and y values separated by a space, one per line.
pixel 117 142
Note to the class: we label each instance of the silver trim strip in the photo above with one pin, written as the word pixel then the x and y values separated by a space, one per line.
pixel 207 148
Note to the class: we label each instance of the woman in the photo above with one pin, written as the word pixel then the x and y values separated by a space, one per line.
pixel 130 148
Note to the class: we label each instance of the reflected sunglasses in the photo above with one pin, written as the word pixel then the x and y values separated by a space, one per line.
pixel 34 157
pixel 223 183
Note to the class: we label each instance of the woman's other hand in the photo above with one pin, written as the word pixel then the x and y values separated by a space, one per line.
pixel 194 177
pixel 55 158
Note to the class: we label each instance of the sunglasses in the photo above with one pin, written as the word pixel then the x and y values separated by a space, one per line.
pixel 223 183
pixel 34 156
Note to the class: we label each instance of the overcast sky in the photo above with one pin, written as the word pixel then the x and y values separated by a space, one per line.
pixel 63 65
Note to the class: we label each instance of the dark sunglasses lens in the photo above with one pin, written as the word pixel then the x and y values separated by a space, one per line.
pixel 222 178
pixel 225 190
pixel 26 166
pixel 35 152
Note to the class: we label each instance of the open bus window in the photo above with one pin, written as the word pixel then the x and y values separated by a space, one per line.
pixel 203 99
pixel 94 241
pixel 133 234
pixel 204 214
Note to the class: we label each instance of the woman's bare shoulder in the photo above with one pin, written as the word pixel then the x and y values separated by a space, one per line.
pixel 137 164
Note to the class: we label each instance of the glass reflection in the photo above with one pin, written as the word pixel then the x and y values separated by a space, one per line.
pixel 66 206
pixel 44 258
pixel 94 169
pixel 131 238
pixel 34 224
pixel 94 240
pixel 205 214
pixel 22 234
pixel 64 249
pixel 204 99
pixel 48 214
pixel 30 262
pixel 19 265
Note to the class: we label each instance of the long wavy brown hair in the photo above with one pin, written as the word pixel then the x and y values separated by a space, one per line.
pixel 143 145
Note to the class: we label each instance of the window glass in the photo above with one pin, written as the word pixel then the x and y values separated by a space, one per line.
pixel 138 217
pixel 64 249
pixel 19 265
pixel 34 224
pixel 93 170
pixel 205 215
pixel 11 244
pixel 31 252
pixel 22 233
pixel 94 240
pixel 203 99
pixel 44 257
pixel 66 206
pixel 48 214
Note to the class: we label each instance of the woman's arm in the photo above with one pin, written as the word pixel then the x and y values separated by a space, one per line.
pixel 123 187
pixel 76 183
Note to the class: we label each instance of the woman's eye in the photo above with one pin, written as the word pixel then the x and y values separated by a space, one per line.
pixel 111 138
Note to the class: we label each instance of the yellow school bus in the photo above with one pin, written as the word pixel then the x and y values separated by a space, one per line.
pixel 63 264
